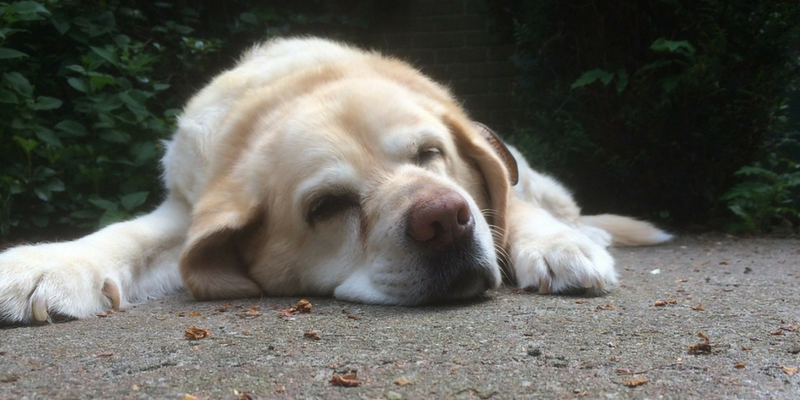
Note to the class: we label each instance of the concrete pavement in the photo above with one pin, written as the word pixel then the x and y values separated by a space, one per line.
pixel 639 342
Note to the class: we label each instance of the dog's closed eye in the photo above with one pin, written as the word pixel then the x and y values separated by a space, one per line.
pixel 428 154
pixel 329 206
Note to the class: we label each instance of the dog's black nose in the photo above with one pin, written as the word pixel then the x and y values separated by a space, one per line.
pixel 439 219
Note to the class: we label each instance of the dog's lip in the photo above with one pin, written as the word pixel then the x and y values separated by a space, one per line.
pixel 468 286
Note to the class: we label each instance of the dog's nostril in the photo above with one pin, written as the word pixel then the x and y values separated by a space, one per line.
pixel 464 215
pixel 440 219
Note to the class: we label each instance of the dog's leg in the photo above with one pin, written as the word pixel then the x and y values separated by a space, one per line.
pixel 552 256
pixel 115 266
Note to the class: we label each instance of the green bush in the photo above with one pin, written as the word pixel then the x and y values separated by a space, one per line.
pixel 767 198
pixel 651 108
pixel 90 88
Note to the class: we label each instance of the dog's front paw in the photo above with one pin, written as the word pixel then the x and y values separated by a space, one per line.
pixel 563 262
pixel 60 280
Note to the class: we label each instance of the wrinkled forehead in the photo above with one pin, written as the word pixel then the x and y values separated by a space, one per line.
pixel 350 131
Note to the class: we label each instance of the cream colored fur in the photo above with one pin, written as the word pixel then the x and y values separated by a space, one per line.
pixel 295 173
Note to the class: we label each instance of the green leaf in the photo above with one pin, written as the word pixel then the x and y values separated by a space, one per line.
pixel 622 80
pixel 29 7
pixel 48 136
pixel 133 200
pixel 6 53
pixel 107 55
pixel 55 185
pixel 122 40
pixel 105 121
pixel 73 128
pixel 84 214
pixel 737 209
pixel 755 171
pixel 673 46
pixel 109 217
pixel 43 194
pixel 61 23
pixel 47 103
pixel 18 82
pixel 136 106
pixel 104 204
pixel 101 80
pixel 27 145
pixel 593 76
pixel 76 68
pixel 144 153
pixel 78 84
pixel 29 10
pixel 115 136
pixel 7 97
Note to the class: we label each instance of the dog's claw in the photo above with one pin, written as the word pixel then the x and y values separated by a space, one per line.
pixel 600 286
pixel 544 285
pixel 39 307
pixel 111 291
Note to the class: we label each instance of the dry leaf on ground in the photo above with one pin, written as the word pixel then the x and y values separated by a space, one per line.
pixel 402 382
pixel 251 312
pixel 703 347
pixel 349 380
pixel 195 333
pixel 242 395
pixel 311 335
pixel 303 306
pixel 738 365
pixel 698 307
pixel 605 307
pixel 625 371
pixel 190 397
pixel 660 303
pixel 789 370
pixel 224 308
pixel 634 382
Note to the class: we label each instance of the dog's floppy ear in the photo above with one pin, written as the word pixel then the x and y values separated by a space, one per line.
pixel 501 150
pixel 211 264
pixel 497 165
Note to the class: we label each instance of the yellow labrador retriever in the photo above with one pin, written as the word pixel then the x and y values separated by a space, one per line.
pixel 313 168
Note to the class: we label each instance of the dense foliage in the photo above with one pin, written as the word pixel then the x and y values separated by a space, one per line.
pixel 667 109
pixel 656 107
pixel 89 89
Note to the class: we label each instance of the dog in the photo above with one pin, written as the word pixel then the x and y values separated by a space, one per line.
pixel 317 169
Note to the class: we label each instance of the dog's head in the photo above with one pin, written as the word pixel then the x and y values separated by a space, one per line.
pixel 375 188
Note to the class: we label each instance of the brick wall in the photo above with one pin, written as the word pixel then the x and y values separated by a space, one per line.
pixel 463 44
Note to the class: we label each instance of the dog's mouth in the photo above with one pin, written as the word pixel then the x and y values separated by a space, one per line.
pixel 462 271
pixel 456 273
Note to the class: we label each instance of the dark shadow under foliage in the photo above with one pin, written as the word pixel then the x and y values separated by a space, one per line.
pixel 651 107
